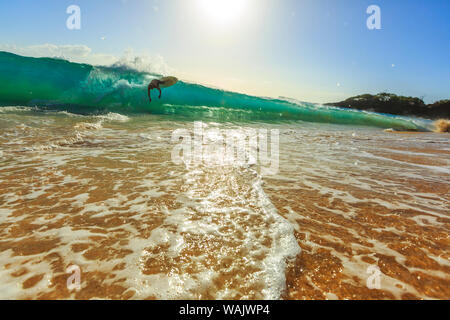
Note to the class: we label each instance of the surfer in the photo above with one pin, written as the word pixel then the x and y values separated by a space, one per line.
pixel 154 85
pixel 161 83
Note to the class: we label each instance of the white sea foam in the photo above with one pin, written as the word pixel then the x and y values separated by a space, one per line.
pixel 15 109
pixel 215 221
pixel 179 222
pixel 113 117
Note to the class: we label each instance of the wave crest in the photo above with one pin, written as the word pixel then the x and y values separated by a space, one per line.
pixel 84 89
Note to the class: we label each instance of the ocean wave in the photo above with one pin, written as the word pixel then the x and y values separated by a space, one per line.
pixel 57 84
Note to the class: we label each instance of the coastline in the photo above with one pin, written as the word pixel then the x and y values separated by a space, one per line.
pixel 396 105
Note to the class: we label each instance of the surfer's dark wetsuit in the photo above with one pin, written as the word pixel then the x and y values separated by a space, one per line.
pixel 154 85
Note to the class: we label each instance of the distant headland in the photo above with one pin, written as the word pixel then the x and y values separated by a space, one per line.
pixel 398 105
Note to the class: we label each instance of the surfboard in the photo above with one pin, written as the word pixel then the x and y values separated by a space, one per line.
pixel 167 82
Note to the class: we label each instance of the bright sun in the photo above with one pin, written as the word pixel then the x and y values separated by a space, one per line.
pixel 223 11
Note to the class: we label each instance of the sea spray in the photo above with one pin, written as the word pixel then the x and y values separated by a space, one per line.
pixel 442 125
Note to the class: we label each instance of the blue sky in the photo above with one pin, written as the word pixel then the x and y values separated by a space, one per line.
pixel 312 50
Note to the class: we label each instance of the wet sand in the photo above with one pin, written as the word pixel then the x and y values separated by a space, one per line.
pixel 106 196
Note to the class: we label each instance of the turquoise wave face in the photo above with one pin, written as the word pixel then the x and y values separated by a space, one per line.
pixel 61 85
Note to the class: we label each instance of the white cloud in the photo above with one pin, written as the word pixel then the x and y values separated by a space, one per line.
pixel 83 54
pixel 50 50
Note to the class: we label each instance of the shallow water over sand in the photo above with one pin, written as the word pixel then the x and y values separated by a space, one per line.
pixel 102 193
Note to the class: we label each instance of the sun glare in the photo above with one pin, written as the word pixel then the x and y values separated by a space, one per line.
pixel 223 11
